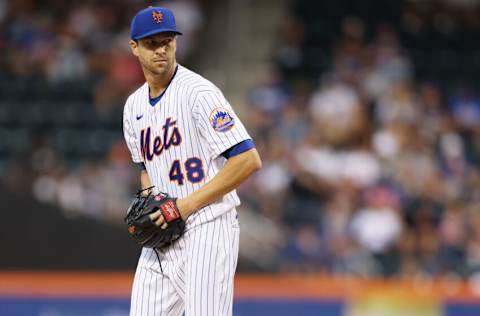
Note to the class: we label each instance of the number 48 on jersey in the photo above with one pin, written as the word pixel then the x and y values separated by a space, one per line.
pixel 192 168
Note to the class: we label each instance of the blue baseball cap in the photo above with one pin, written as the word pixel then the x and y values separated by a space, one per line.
pixel 151 21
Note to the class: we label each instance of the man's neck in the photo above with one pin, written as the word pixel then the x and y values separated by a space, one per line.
pixel 158 83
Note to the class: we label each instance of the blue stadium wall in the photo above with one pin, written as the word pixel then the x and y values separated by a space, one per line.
pixel 107 294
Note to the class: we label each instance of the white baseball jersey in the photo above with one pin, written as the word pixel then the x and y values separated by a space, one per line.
pixel 180 140
pixel 181 137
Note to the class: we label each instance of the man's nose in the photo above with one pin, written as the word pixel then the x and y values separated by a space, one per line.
pixel 161 49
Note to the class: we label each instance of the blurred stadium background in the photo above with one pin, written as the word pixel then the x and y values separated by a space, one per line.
pixel 366 114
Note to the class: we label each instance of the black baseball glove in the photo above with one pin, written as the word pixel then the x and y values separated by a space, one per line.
pixel 143 229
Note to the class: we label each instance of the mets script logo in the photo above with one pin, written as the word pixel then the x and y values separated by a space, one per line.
pixel 154 142
pixel 221 120
pixel 157 16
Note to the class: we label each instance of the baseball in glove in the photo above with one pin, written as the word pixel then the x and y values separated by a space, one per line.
pixel 143 229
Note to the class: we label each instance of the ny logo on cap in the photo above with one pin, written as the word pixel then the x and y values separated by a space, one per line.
pixel 157 16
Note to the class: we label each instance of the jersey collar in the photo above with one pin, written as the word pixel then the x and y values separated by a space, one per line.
pixel 155 100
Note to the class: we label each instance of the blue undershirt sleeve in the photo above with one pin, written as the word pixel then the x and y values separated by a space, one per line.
pixel 238 148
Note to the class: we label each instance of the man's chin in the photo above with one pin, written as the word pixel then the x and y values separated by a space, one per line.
pixel 159 70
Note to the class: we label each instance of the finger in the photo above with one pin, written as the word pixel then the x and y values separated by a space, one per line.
pixel 164 225
pixel 154 216
pixel 160 221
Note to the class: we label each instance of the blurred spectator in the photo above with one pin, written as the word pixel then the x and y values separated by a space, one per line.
pixel 337 113
pixel 452 233
pixel 269 96
pixel 304 251
pixel 289 55
pixel 465 107
pixel 377 226
pixel 189 19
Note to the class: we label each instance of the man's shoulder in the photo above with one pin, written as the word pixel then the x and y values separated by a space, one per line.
pixel 135 94
pixel 132 99
pixel 193 81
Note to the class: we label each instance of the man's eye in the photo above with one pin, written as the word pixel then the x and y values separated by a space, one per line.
pixel 154 43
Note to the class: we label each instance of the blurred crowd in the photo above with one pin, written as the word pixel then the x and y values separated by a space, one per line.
pixel 371 167
pixel 65 73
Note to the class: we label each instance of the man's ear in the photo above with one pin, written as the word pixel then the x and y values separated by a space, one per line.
pixel 134 47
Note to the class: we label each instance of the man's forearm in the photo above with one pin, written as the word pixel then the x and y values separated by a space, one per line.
pixel 236 170
pixel 145 180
